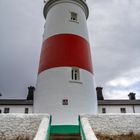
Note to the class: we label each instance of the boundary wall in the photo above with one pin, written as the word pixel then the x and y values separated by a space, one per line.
pixel 13 126
pixel 113 124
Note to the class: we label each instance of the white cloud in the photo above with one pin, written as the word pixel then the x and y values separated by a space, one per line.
pixel 126 79
pixel 115 93
pixel 114 33
pixel 121 86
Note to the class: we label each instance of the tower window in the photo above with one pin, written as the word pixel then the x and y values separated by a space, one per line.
pixel 26 110
pixel 123 110
pixel 73 16
pixel 6 110
pixel 75 74
pixel 0 111
pixel 103 110
pixel 65 102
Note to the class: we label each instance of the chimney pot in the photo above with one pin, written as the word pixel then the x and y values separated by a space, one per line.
pixel 99 93
pixel 30 95
pixel 132 96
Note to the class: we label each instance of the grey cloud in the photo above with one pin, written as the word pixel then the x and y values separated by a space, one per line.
pixel 20 44
pixel 114 36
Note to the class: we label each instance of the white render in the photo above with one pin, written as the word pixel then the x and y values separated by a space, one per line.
pixel 114 124
pixel 16 108
pixel 58 21
pixel 23 125
pixel 55 84
pixel 109 108
pixel 116 108
pixel 80 95
pixel 137 108
pixel 42 130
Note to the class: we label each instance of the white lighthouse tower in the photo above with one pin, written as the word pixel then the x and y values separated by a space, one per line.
pixel 65 86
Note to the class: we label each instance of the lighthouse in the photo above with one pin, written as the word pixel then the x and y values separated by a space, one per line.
pixel 65 82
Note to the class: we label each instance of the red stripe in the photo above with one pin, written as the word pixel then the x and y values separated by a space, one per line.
pixel 65 50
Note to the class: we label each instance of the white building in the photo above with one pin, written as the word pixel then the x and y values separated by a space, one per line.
pixel 16 106
pixel 104 106
pixel 117 106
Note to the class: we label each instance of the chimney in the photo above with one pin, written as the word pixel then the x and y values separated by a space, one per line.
pixel 99 93
pixel 132 96
pixel 30 95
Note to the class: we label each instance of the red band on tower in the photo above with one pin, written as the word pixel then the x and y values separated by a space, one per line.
pixel 65 50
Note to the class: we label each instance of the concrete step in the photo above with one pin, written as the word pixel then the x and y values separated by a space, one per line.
pixel 65 137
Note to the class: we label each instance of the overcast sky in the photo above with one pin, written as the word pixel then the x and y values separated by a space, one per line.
pixel 114 31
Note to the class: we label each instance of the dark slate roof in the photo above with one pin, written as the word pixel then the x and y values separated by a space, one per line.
pixel 15 102
pixel 100 102
pixel 118 102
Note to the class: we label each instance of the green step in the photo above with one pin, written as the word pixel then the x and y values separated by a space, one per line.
pixel 65 129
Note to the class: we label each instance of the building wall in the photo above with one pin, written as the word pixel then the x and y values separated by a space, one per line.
pixel 137 108
pixel 65 45
pixel 109 108
pixel 80 95
pixel 16 108
pixel 116 108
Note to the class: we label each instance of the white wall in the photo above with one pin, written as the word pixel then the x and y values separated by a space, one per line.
pixel 137 108
pixel 23 125
pixel 58 21
pixel 116 108
pixel 54 85
pixel 16 108
pixel 115 124
pixel 109 108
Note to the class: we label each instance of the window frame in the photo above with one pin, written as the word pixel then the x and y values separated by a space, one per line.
pixel 74 17
pixel 6 110
pixel 75 74
pixel 26 111
pixel 65 102
pixel 123 110
pixel 103 110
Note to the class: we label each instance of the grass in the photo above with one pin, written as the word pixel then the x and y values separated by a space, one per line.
pixel 18 138
pixel 21 138
pixel 130 136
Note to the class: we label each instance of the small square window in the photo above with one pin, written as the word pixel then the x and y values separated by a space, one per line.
pixel 6 110
pixel 123 110
pixel 73 16
pixel 103 110
pixel 26 110
pixel 65 102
